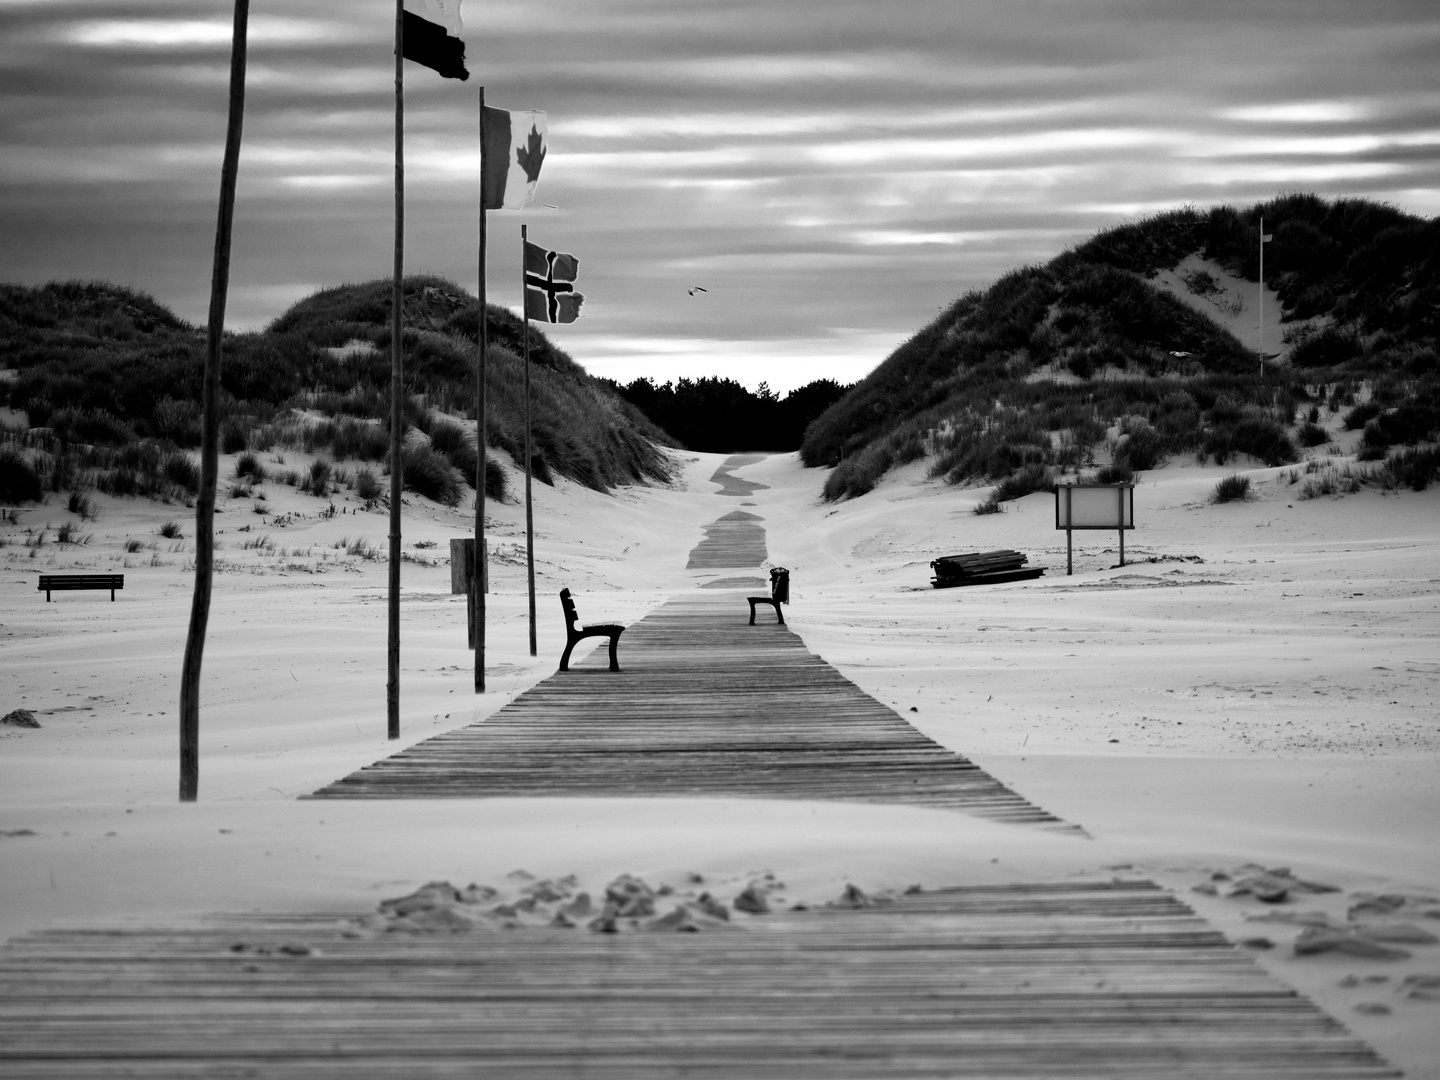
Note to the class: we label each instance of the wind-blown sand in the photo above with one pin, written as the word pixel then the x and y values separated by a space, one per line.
pixel 1265 691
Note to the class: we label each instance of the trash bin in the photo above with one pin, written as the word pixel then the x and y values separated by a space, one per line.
pixel 780 584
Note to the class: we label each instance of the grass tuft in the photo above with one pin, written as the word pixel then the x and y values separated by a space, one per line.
pixel 427 473
pixel 1231 489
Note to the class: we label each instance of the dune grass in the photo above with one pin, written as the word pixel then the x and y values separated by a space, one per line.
pixel 1231 489
pixel 1035 369
pixel 109 369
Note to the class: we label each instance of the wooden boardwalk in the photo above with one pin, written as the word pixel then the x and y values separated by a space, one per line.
pixel 731 484
pixel 1018 981
pixel 704 705
pixel 735 541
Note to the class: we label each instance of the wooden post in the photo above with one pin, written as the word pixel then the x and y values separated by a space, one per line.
pixel 477 595
pixel 397 413
pixel 1120 491
pixel 463 566
pixel 210 422
pixel 1069 532
pixel 529 506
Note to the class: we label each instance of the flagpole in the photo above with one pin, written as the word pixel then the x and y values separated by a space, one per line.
pixel 477 570
pixel 209 422
pixel 529 507
pixel 397 415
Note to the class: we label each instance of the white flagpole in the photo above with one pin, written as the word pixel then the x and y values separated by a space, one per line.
pixel 210 422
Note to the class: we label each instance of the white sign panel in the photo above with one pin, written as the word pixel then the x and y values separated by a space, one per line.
pixel 1095 506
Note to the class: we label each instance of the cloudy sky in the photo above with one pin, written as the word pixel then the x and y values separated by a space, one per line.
pixel 832 171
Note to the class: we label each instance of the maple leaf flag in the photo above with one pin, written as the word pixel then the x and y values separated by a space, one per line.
pixel 431 35
pixel 1265 238
pixel 550 294
pixel 512 149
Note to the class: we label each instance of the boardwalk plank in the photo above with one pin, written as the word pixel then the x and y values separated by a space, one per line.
pixel 704 705
pixel 1113 979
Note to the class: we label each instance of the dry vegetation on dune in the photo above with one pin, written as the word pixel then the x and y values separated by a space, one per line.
pixel 109 382
pixel 1024 380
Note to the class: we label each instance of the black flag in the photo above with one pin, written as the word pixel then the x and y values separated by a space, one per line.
pixel 429 41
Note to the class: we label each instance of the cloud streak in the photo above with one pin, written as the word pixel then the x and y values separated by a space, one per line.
pixel 835 171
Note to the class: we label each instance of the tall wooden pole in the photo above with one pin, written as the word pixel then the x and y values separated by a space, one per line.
pixel 210 422
pixel 529 508
pixel 397 413
pixel 477 583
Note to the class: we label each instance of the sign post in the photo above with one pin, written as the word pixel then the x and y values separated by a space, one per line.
pixel 1093 506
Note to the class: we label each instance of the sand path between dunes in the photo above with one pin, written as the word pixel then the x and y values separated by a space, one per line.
pixel 1275 702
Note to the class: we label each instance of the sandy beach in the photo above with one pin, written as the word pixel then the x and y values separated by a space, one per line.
pixel 1259 684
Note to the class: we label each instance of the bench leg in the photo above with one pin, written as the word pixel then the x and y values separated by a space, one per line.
pixel 565 656
pixel 614 645
pixel 47 596
pixel 752 609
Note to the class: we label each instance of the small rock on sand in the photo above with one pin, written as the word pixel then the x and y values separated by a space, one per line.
pixel 20 718
pixel 630 896
pixel 578 908
pixel 1319 939
pixel 1421 987
pixel 853 897
pixel 716 909
pixel 1398 933
pixel 752 899
pixel 432 894
pixel 1382 904
pixel 1273 886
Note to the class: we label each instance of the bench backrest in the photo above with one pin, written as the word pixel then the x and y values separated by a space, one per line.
pixel 571 615
pixel 59 581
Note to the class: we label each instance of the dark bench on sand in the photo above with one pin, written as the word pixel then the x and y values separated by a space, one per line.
pixel 779 594
pixel 69 582
pixel 982 568
pixel 575 632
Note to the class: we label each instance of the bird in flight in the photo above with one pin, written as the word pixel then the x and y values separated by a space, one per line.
pixel 698 288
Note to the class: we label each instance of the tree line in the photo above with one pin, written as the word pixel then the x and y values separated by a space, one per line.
pixel 718 415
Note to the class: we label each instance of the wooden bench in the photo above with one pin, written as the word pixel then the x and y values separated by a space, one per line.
pixel 575 633
pixel 982 568
pixel 779 594
pixel 69 582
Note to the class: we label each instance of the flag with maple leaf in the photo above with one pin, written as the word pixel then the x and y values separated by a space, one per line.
pixel 550 294
pixel 431 36
pixel 512 150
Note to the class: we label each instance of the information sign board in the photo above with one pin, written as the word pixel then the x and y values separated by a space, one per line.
pixel 1094 506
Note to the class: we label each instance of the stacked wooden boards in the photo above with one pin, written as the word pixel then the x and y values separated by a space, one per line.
pixel 1032 981
pixel 982 568
pixel 703 705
